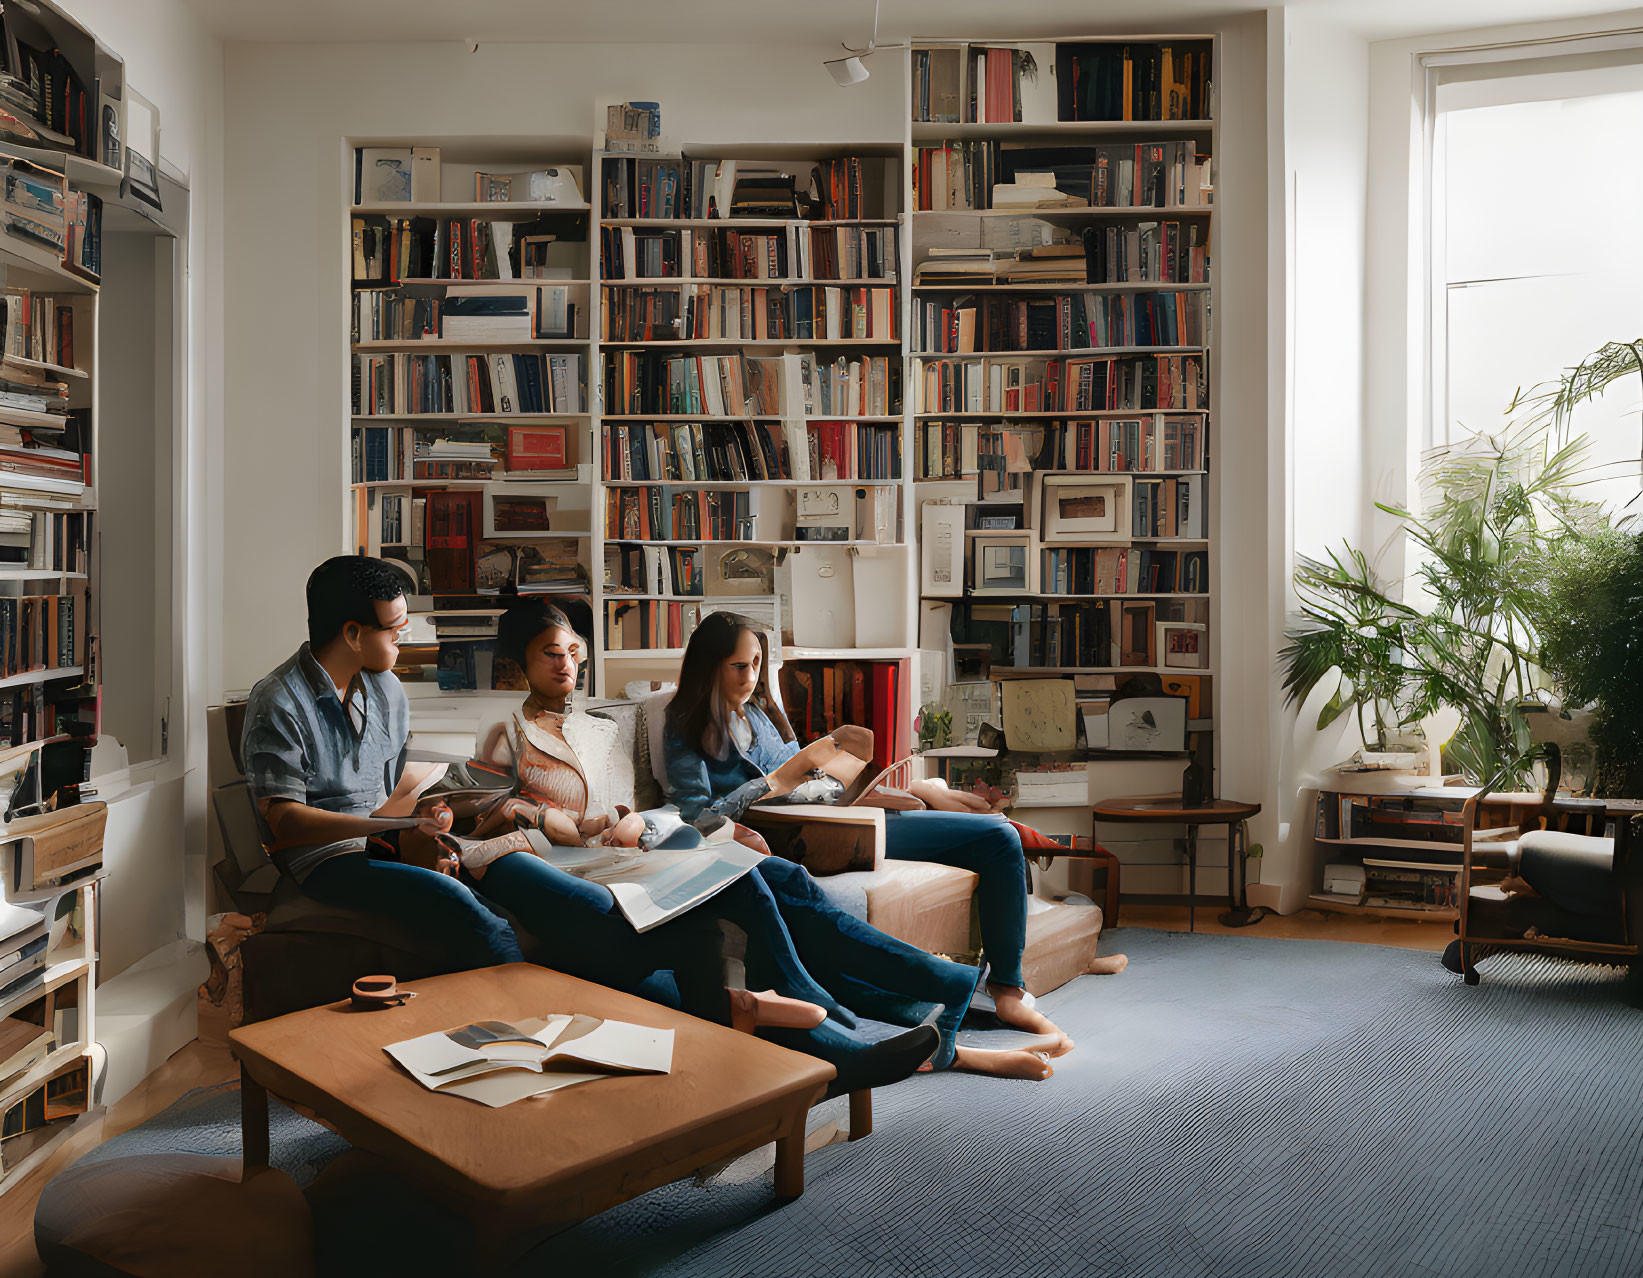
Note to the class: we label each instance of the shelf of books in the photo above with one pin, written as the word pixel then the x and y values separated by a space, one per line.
pixel 752 437
pixel 1059 382
pixel 62 121
pixel 470 446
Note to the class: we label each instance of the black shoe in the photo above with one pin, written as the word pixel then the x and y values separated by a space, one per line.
pixel 860 1062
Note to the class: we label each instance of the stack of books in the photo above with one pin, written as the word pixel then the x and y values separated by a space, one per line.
pixel 1045 264
pixel 960 266
pixel 1034 191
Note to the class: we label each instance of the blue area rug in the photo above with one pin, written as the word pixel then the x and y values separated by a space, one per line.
pixel 1236 1106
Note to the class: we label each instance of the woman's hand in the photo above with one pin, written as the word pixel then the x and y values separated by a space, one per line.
pixel 559 827
pixel 626 832
pixel 435 820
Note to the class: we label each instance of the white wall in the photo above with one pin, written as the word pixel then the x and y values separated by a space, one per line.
pixel 290 109
pixel 1318 449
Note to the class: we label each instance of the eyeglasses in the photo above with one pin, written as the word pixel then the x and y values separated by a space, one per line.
pixel 399 631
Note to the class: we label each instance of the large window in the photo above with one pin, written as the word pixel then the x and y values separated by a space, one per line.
pixel 1536 259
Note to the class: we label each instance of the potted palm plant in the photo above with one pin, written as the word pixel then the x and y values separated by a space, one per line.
pixel 1462 632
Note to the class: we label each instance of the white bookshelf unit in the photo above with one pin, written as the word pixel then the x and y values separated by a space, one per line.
pixel 468 427
pixel 687 497
pixel 51 238
pixel 800 319
pixel 1062 375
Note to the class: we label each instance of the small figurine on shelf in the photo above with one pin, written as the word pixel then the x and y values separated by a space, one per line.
pixel 935 726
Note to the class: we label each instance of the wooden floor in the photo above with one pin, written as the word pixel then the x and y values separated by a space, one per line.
pixel 205 1061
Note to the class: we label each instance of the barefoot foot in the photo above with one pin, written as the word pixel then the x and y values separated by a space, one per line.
pixel 1011 1063
pixel 749 1010
pixel 1109 964
pixel 1010 1006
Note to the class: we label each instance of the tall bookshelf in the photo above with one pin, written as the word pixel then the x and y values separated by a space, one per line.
pixel 469 343
pixel 1060 391
pixel 753 445
pixel 1072 476
pixel 62 159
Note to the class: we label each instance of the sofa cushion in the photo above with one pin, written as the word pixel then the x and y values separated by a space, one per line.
pixel 605 744
pixel 922 903
pixel 653 715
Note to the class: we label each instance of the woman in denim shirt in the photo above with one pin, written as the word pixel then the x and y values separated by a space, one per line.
pixel 728 746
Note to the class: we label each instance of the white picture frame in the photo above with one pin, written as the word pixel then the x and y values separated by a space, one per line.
pixel 1148 725
pixel 544 494
pixel 1084 508
pixel 1002 564
pixel 1183 645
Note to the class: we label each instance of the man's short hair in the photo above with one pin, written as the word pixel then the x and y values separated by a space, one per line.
pixel 348 588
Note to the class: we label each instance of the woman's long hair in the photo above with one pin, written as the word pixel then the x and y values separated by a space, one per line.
pixel 698 714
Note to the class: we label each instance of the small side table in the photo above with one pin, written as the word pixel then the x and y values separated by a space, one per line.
pixel 1166 809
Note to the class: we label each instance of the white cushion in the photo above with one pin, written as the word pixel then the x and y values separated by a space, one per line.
pixel 606 765
pixel 653 708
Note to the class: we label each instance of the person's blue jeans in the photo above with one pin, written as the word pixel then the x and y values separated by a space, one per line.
pixel 989 846
pixel 868 970
pixel 582 931
pixel 435 904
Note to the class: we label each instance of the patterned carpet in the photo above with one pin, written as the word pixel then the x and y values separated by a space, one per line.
pixel 1236 1106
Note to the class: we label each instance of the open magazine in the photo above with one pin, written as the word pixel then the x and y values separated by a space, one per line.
pixel 680 870
pixel 496 1063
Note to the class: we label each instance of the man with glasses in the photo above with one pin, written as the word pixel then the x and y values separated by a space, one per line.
pixel 324 746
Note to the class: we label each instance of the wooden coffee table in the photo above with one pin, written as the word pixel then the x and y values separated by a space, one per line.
pixel 527 1169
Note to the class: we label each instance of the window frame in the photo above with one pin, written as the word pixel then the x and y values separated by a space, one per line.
pixel 1497 61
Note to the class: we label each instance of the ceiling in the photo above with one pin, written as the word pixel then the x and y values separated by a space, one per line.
pixel 811 23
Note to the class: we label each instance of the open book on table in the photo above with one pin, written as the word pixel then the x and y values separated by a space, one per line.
pixel 497 1063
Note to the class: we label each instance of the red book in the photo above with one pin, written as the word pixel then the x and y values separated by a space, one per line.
pixel 886 714
pixel 539 448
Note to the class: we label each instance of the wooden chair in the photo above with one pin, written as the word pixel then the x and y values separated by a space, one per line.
pixel 1561 887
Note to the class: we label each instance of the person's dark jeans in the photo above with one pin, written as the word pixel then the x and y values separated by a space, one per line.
pixel 435 904
pixel 869 971
pixel 580 930
pixel 989 846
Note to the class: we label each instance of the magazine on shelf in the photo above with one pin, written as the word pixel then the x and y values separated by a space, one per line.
pixel 497 1063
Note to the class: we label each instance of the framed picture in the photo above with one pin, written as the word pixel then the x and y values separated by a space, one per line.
pixel 1084 508
pixel 1147 724
pixel 143 151
pixel 492 188
pixel 540 448
pixel 747 570
pixel 518 510
pixel 1000 565
pixel 385 175
pixel 1183 645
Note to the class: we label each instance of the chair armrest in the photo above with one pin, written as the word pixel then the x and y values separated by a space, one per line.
pixel 823 839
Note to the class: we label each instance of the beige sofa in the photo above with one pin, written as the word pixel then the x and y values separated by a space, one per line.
pixel 309 953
